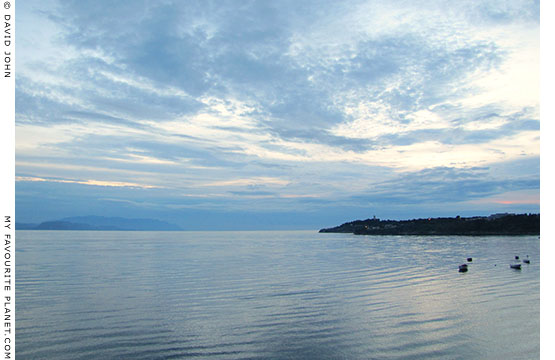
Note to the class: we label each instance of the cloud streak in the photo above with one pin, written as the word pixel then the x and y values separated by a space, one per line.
pixel 86 182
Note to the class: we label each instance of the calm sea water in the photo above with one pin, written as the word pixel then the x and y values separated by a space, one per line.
pixel 274 295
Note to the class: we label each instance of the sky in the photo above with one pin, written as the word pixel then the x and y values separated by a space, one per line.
pixel 276 115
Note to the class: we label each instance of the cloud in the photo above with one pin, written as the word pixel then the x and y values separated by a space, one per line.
pixel 453 186
pixel 87 182
pixel 323 99
pixel 524 197
pixel 249 182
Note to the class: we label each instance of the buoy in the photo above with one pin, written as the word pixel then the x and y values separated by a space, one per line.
pixel 463 268
pixel 469 259
pixel 515 266
pixel 516 257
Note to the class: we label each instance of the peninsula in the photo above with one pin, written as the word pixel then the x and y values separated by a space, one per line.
pixel 100 223
pixel 496 224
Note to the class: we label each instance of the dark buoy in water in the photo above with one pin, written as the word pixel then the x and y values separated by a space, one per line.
pixel 469 259
pixel 463 268
pixel 515 266
pixel 516 257
pixel 526 261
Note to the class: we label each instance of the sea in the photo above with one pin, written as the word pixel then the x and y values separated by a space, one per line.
pixel 274 295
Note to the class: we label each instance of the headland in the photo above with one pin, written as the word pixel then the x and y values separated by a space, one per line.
pixel 496 224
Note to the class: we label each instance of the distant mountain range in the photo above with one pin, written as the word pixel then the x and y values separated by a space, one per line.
pixel 496 224
pixel 100 223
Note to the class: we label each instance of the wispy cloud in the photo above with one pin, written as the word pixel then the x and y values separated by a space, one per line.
pixel 86 182
pixel 249 182
pixel 521 197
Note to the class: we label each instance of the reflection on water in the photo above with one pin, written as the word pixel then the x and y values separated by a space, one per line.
pixel 274 295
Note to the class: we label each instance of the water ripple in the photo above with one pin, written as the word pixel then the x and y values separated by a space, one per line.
pixel 273 295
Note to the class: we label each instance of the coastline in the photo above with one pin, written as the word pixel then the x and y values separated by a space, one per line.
pixel 496 224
